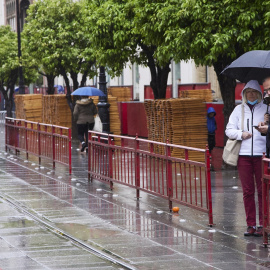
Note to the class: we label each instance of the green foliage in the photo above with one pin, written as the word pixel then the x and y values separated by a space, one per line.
pixel 210 30
pixel 54 36
pixel 125 31
pixel 215 33
pixel 131 31
pixel 8 54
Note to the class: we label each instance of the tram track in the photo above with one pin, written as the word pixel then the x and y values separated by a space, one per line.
pixel 102 254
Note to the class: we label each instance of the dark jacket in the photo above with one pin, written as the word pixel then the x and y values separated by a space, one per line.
pixel 268 142
pixel 84 111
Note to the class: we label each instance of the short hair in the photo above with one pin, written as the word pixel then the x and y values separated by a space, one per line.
pixel 265 79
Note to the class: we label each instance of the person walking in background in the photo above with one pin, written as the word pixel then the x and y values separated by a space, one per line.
pixel 211 126
pixel 84 113
pixel 252 147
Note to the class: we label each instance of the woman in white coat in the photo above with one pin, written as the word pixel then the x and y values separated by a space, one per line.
pixel 252 148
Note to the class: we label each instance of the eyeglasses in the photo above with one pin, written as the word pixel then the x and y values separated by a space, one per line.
pixel 266 90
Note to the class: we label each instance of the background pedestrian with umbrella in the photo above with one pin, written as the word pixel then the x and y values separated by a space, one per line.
pixel 84 112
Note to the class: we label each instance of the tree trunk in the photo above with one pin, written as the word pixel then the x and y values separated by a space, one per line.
pixel 159 79
pixel 227 88
pixel 70 101
pixel 159 75
pixel 50 80
pixel 9 101
pixel 83 80
pixel 74 77
pixel 9 92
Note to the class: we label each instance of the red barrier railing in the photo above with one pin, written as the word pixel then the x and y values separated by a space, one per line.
pixel 149 166
pixel 42 140
pixel 265 198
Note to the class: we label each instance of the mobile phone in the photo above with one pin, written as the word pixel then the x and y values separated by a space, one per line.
pixel 255 126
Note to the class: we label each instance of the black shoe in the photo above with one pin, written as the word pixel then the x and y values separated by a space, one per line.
pixel 250 231
pixel 83 146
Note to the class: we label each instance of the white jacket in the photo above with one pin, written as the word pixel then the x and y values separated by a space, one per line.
pixel 256 145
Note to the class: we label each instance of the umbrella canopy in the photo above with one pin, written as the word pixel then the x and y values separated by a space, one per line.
pixel 253 65
pixel 87 91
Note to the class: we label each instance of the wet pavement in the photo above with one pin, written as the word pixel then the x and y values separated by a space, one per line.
pixel 53 220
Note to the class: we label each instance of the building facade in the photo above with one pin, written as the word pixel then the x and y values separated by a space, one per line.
pixel 10 12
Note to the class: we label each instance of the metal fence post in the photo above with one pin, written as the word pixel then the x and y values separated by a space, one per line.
pixel 110 161
pixel 137 167
pixel 208 187
pixel 53 145
pixel 265 198
pixel 16 137
pixel 6 132
pixel 69 151
pixel 90 152
pixel 26 139
pixel 39 144
pixel 169 174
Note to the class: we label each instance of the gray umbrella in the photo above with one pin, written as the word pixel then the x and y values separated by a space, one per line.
pixel 253 65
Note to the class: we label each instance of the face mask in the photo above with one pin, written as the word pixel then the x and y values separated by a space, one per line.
pixel 253 102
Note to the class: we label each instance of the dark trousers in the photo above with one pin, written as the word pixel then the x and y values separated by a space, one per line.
pixel 250 174
pixel 83 131
pixel 211 141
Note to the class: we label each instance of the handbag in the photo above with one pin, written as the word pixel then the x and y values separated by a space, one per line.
pixel 98 124
pixel 232 148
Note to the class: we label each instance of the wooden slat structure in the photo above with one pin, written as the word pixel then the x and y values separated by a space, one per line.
pixel 182 121
pixel 115 122
pixel 204 94
pixel 29 107
pixel 56 110
pixel 122 93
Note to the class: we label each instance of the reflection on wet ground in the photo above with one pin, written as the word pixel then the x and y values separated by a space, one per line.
pixel 142 233
pixel 24 244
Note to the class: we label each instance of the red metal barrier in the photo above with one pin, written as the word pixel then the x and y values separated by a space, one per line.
pixel 42 140
pixel 265 198
pixel 135 164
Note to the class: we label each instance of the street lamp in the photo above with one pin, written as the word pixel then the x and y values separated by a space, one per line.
pixel 21 82
pixel 103 105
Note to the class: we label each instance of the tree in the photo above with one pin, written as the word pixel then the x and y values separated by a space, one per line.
pixel 215 33
pixel 129 31
pixel 54 34
pixel 9 64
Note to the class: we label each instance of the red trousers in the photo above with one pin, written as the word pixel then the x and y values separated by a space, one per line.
pixel 250 174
